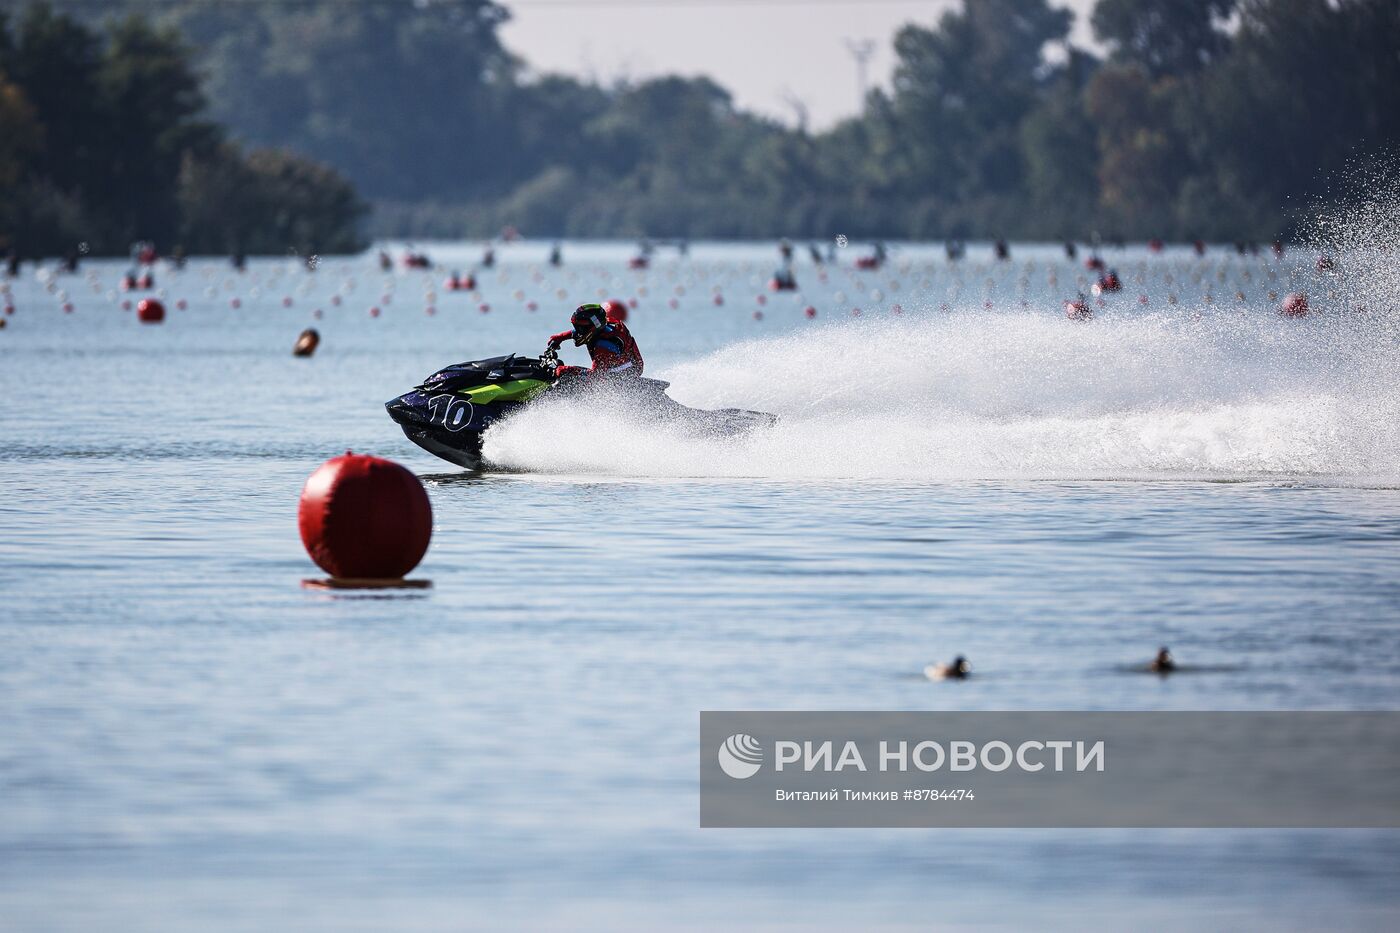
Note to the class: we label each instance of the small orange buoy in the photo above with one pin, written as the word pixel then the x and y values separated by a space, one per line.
pixel 307 342
pixel 365 518
pixel 150 311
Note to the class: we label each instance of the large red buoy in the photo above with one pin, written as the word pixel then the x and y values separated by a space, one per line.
pixel 617 310
pixel 365 518
pixel 1295 304
pixel 150 311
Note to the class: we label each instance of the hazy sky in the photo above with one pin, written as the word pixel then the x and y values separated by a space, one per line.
pixel 763 51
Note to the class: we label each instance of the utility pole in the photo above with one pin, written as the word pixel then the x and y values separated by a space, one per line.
pixel 861 50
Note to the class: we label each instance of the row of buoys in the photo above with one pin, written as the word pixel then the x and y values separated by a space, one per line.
pixel 1294 304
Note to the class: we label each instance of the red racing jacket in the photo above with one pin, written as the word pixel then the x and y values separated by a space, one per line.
pixel 613 351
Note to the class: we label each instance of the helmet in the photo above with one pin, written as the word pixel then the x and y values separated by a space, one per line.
pixel 617 311
pixel 586 320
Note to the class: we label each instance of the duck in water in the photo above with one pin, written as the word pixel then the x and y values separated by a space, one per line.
pixel 1163 663
pixel 958 670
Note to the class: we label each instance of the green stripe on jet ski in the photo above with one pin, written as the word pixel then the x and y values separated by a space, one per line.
pixel 517 390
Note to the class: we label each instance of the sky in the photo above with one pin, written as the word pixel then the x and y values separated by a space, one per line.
pixel 768 53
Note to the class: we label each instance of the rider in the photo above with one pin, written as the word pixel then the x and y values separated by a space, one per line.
pixel 610 345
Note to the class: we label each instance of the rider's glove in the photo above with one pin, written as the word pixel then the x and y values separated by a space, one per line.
pixel 554 343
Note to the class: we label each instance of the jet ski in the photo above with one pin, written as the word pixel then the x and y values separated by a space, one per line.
pixel 447 413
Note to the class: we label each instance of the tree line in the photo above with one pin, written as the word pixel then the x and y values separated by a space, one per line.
pixel 1217 119
pixel 104 141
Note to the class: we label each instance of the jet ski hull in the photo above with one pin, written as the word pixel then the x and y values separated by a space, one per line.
pixel 462 449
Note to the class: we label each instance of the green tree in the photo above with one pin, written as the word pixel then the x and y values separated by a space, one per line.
pixel 151 101
pixel 56 62
pixel 960 92
pixel 1166 37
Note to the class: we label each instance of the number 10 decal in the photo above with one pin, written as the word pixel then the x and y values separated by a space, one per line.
pixel 454 413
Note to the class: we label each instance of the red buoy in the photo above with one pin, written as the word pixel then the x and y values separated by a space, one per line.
pixel 150 311
pixel 811 312
pixel 1077 310
pixel 617 310
pixel 1295 304
pixel 364 518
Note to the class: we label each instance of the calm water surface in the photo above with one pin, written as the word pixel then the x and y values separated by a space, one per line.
pixel 189 740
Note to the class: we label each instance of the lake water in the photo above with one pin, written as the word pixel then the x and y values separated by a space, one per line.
pixel 189 740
